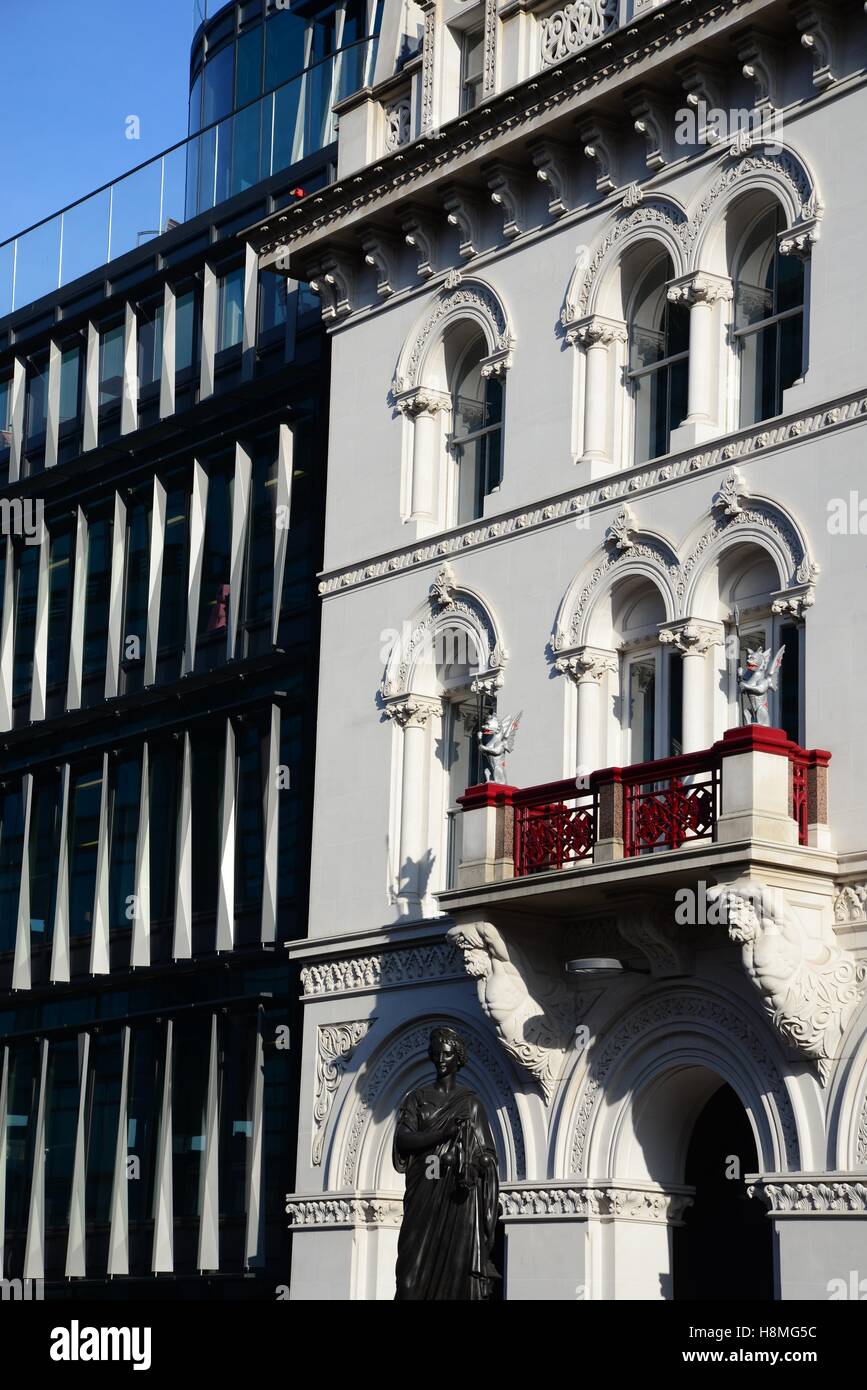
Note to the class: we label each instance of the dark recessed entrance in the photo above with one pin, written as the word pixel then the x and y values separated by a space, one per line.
pixel 723 1251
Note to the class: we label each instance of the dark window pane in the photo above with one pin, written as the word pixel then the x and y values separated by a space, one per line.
pixel 187 322
pixel 165 773
pixel 61 1118
pixel 126 791
pixel 150 345
pixel 259 580
pixel 44 852
pixel 790 683
pixel 173 599
pixel 111 366
pixel 20 1135
pixel 85 794
pixel 238 1040
pixel 146 1072
pixel 59 607
pixel 106 1061
pixel 230 317
pixel 284 47
pixel 248 78
pixel 136 595
pixel 190 1057
pixel 219 84
pixel 207 796
pixel 99 542
pixel 27 581
pixel 251 744
pixel 216 565
pixel 273 302
pixel 11 853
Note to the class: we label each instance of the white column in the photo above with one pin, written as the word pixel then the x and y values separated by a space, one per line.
pixel 253 1244
pixel 413 714
pixel 694 639
pixel 598 336
pixel 423 408
pixel 182 932
pixel 587 667
pixel 702 292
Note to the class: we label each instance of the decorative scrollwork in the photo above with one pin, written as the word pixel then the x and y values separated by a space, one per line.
pixel 569 30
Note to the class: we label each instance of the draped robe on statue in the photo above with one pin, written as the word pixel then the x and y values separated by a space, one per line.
pixel 449 1220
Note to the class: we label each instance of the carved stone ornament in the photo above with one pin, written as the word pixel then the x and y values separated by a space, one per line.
pixel 850 904
pixel 398 123
pixel 335 1043
pixel 808 1195
pixel 573 27
pixel 619 534
pixel 810 987
pixel 728 497
pixel 386 970
pixel 587 664
pixel 443 590
pixel 354 1209
pixel 533 1011
pixel 645 1203
pixel 692 636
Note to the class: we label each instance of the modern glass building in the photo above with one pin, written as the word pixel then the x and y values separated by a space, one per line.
pixel 162 458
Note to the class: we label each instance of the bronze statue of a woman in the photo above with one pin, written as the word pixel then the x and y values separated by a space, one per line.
pixel 443 1144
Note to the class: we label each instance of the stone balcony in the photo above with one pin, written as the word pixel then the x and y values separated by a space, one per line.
pixel 752 797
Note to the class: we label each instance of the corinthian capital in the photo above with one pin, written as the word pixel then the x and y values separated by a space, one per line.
pixel 597 331
pixel 700 287
pixel 587 663
pixel 422 401
pixel 691 636
pixel 413 711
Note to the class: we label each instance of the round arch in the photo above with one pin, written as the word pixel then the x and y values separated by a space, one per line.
pixel 847 1103
pixel 629 1110
pixel 757 521
pixel 449 609
pixel 359 1154
pixel 779 172
pixel 471 301
pixel 661 219
pixel 647 556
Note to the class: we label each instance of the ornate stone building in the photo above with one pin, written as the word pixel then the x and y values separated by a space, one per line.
pixel 597 414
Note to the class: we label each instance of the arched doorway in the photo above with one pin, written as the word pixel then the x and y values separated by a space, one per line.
pixel 723 1250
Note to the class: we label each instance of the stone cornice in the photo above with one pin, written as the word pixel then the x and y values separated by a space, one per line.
pixel 565 1201
pixel 347 1209
pixel 813 1194
pixel 767 437
pixel 513 112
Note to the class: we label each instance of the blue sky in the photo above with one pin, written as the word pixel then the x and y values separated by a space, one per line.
pixel 73 71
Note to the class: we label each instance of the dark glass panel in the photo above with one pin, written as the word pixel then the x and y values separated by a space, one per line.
pixel 26 582
pixel 219 85
pixel 136 595
pixel 44 851
pixel 248 75
pixel 126 792
pixel 85 793
pixel 190 1057
pixel 207 797
pixel 251 750
pixel 216 570
pixel 59 611
pixel 11 852
pixel 106 1063
pixel 165 774
pixel 99 545
pixel 238 1049
pixel 20 1133
pixel 145 1088
pixel 284 47
pixel 61 1117
pixel 259 579
pixel 173 599
pixel 230 314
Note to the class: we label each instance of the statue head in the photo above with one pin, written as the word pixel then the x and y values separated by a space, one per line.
pixel 477 961
pixel 491 725
pixel 447 1050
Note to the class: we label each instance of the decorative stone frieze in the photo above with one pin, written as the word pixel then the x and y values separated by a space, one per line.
pixel 388 969
pixel 556 1202
pixel 374 1209
pixel 813 1194
pixel 572 28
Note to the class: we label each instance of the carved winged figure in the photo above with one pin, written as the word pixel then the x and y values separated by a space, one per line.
pixel 497 739
pixel 755 679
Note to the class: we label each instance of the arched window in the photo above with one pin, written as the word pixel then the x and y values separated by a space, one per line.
pixel 769 319
pixel 658 362
pixel 476 434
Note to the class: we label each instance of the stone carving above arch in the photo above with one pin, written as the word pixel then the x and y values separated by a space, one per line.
pixel 460 298
pixel 657 217
pixel 626 549
pixel 736 517
pixel 781 171
pixel 408 1046
pixel 448 608
pixel 673 1011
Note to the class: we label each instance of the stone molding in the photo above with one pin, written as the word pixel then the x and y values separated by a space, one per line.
pixel 335 1044
pixel 388 969
pixel 351 1209
pixel 556 1202
pixel 599 496
pixel 813 1194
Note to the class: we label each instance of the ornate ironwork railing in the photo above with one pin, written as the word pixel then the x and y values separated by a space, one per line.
pixel 555 827
pixel 569 30
pixel 671 802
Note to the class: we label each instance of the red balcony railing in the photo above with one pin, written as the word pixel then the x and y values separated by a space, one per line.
pixel 653 806
pixel 670 802
pixel 555 827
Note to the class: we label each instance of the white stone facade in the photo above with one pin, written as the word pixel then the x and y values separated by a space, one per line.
pixel 557 236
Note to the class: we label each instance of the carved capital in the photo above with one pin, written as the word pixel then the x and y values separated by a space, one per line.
pixel 700 287
pixel 596 331
pixel 794 602
pixel 800 239
pixel 691 636
pixel 413 711
pixel 423 400
pixel 587 663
